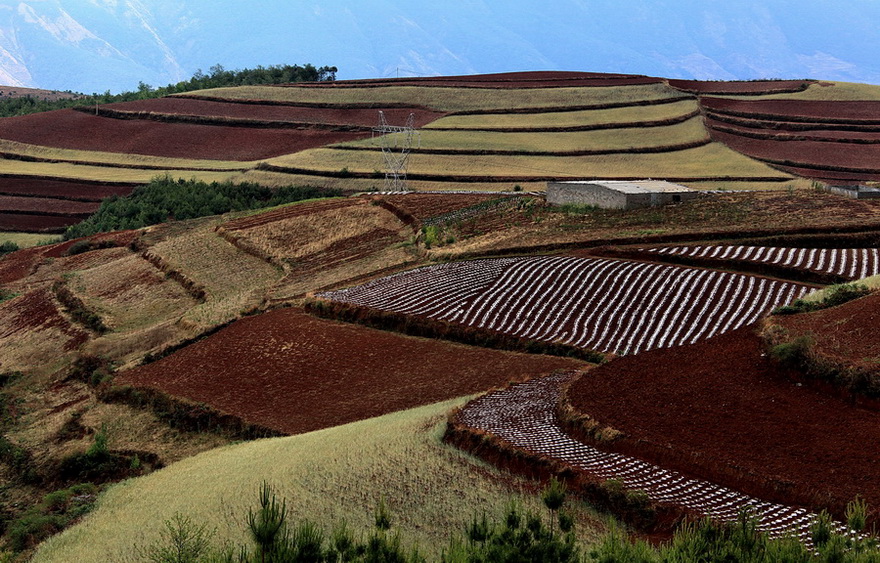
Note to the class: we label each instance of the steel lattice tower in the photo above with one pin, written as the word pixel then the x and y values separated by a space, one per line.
pixel 396 142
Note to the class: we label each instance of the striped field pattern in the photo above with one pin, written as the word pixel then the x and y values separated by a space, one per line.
pixel 524 415
pixel 605 305
pixel 852 263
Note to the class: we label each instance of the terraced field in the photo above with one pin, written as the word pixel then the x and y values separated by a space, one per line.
pixel 605 305
pixel 849 263
pixel 831 141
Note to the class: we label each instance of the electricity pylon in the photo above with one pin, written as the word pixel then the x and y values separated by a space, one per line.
pixel 396 143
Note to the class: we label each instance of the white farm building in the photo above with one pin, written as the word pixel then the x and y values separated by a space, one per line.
pixel 618 194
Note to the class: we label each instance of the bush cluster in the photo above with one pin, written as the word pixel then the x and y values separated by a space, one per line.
pixel 217 77
pixel 834 295
pixel 166 199
pixel 56 511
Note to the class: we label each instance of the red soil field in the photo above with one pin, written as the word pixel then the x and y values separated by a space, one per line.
pixel 832 177
pixel 425 206
pixel 72 129
pixel 538 79
pixel 780 131
pixel 739 87
pixel 845 157
pixel 721 410
pixel 846 333
pixel 27 223
pixel 817 110
pixel 295 373
pixel 271 112
pixel 61 189
pixel 50 206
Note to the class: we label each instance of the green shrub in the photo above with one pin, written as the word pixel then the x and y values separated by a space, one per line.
pixel 55 512
pixel 834 295
pixel 165 198
pixel 7 246
pixel 795 353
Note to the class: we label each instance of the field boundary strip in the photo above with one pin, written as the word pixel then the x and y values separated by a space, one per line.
pixel 223 121
pixel 513 152
pixel 578 128
pixel 503 179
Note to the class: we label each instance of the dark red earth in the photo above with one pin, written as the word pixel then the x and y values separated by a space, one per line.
pixel 783 110
pixel 61 189
pixel 536 79
pixel 295 373
pixel 722 410
pixel 272 112
pixel 739 87
pixel 72 129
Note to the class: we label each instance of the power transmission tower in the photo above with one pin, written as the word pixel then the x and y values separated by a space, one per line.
pixel 396 143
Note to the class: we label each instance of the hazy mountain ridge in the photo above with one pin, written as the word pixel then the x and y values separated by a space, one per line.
pixel 95 45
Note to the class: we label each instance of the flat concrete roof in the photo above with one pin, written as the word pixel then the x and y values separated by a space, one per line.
pixel 635 186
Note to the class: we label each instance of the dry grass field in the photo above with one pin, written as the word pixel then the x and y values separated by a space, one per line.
pixel 121 160
pixel 25 240
pixel 67 170
pixel 234 282
pixel 710 161
pixel 574 118
pixel 431 489
pixel 825 90
pixel 448 99
pixel 690 131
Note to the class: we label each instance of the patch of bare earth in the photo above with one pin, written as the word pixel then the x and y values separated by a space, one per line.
pixel 295 373
pixel 723 411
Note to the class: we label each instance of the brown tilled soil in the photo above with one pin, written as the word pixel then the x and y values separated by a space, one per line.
pixel 537 79
pixel 273 112
pixel 846 334
pixel 48 206
pixel 295 373
pixel 738 87
pixel 721 410
pixel 61 189
pixel 70 129
pixel 30 223
pixel 830 155
pixel 425 206
pixel 784 110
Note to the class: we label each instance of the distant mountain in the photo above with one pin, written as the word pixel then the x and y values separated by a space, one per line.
pixel 96 45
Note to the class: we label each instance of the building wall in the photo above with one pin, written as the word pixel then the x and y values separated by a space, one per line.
pixel 585 194
pixel 559 193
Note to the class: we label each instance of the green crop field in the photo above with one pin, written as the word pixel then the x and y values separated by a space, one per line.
pixel 607 139
pixel 326 476
pixel 712 160
pixel 451 99
pixel 620 115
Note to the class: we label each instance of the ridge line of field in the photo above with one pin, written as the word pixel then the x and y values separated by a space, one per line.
pixel 577 128
pixel 506 179
pixel 793 118
pixel 783 136
pixel 392 105
pixel 500 152
pixel 778 124
pixel 219 120
pixel 48 160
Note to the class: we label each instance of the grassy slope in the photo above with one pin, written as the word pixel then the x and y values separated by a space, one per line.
pixel 712 160
pixel 568 118
pixel 117 159
pixel 830 91
pixel 326 476
pixel 67 170
pixel 450 99
pixel 25 240
pixel 610 139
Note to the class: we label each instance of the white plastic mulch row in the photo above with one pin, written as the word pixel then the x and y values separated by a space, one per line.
pixel 853 263
pixel 607 305
pixel 524 416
